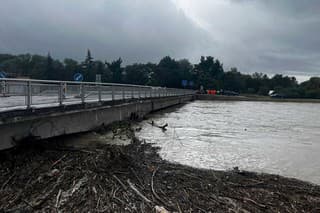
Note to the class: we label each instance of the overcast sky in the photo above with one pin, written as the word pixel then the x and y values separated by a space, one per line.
pixel 270 36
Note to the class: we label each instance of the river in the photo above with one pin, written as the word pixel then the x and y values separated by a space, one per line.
pixel 278 138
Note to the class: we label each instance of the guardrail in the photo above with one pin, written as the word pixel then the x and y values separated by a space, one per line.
pixel 28 93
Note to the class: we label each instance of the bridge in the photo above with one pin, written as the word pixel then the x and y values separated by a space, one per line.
pixel 39 109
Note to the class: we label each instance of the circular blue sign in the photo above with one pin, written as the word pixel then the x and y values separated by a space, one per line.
pixel 184 83
pixel 2 74
pixel 78 77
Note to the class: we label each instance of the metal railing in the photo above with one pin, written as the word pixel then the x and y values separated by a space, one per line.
pixel 28 93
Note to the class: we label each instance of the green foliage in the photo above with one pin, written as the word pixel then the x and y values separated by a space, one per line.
pixel 234 80
pixel 208 72
pixel 139 74
pixel 311 88
pixel 116 70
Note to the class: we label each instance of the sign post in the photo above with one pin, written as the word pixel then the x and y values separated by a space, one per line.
pixel 78 77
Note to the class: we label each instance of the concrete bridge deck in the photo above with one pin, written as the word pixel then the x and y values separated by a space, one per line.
pixel 43 109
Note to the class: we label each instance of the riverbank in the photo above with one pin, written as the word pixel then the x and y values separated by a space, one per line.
pixel 255 98
pixel 107 178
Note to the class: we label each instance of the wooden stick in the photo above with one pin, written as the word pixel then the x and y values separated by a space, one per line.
pixel 58 198
pixel 58 161
pixel 152 188
pixel 137 192
pixel 10 178
pixel 120 182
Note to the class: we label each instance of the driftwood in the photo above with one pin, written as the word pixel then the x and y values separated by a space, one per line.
pixel 138 192
pixel 6 183
pixel 58 199
pixel 58 161
pixel 128 178
pixel 163 127
pixel 120 182
pixel 152 187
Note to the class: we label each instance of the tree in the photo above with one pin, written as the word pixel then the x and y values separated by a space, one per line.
pixel 71 67
pixel 137 74
pixel 209 73
pixel 87 65
pixel 168 73
pixel 234 81
pixel 49 72
pixel 116 70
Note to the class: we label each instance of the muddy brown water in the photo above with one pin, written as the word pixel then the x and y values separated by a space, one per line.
pixel 278 138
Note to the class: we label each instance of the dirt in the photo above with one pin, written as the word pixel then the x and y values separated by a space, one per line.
pixel 50 177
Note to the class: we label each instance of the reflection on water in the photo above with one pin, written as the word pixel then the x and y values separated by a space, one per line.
pixel 279 138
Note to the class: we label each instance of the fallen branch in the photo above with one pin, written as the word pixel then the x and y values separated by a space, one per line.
pixel 152 187
pixel 254 202
pixel 163 127
pixel 58 161
pixel 137 192
pixel 135 174
pixel 58 199
pixel 10 178
pixel 179 209
pixel 120 182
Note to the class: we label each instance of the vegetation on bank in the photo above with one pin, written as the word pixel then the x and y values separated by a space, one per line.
pixel 169 72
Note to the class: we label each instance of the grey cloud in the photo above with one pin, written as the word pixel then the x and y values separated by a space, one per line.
pixel 135 30
pixel 255 35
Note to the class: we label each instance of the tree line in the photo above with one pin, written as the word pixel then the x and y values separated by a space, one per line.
pixel 169 72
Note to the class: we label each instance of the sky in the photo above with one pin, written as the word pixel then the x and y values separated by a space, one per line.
pixel 269 36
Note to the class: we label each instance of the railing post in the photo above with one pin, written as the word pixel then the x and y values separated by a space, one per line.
pixel 3 88
pixel 99 93
pixel 139 93
pixel 82 92
pixel 112 93
pixel 145 93
pixel 123 94
pixel 132 93
pixel 60 93
pixel 29 94
pixel 150 92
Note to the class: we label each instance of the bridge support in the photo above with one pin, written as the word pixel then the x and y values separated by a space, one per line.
pixel 44 124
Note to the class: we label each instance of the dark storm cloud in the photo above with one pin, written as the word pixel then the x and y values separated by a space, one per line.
pixel 273 36
pixel 135 30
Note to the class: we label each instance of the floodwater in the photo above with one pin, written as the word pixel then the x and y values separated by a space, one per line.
pixel 278 138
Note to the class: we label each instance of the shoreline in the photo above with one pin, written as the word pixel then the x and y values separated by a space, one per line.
pixel 254 98
pixel 134 178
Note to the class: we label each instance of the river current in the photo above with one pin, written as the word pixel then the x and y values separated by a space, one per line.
pixel 278 138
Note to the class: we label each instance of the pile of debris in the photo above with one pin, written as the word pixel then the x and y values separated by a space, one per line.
pixel 133 178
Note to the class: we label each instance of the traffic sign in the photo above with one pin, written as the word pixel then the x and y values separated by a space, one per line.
pixel 78 77
pixel 2 74
pixel 184 83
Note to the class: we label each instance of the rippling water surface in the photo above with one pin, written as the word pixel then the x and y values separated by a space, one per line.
pixel 278 138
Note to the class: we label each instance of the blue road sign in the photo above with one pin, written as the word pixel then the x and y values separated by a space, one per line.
pixel 184 83
pixel 191 83
pixel 2 74
pixel 78 77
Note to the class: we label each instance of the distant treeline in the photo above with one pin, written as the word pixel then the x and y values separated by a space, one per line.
pixel 209 73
